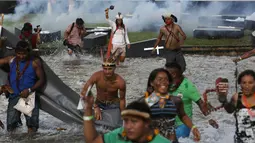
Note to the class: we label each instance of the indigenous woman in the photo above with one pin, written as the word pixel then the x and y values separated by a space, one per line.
pixel 119 38
pixel 165 107
pixel 242 104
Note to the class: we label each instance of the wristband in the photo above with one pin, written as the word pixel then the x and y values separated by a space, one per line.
pixel 193 127
pixel 88 118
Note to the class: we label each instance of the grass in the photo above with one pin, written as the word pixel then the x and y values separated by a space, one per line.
pixel 246 40
pixel 139 36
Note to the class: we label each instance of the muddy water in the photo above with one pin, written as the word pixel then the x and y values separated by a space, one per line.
pixel 202 70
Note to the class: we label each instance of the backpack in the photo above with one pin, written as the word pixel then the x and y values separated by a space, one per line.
pixel 65 42
pixel 71 28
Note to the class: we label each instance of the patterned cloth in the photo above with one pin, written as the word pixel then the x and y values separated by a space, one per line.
pixel 165 126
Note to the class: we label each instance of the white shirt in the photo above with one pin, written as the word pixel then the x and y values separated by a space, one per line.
pixel 120 37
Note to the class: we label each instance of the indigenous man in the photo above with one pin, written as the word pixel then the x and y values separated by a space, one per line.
pixel 188 92
pixel 28 36
pixel 119 37
pixel 26 76
pixel 108 85
pixel 73 36
pixel 170 31
pixel 136 127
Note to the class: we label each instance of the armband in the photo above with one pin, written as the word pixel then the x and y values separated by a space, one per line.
pixel 88 118
pixel 193 127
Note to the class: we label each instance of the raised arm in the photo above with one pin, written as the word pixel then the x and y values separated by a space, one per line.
pixel 107 13
pixel 38 37
pixel 245 55
pixel 110 22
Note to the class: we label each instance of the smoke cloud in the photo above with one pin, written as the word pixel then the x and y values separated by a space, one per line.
pixel 145 14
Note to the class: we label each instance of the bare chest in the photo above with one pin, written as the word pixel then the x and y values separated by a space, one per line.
pixel 107 85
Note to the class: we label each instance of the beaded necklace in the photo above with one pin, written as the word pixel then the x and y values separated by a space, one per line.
pixel 248 105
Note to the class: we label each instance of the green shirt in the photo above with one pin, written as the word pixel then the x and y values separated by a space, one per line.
pixel 115 137
pixel 188 92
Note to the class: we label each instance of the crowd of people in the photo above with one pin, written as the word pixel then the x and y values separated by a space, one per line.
pixel 162 115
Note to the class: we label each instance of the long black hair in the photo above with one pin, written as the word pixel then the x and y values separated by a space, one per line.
pixel 122 24
pixel 153 75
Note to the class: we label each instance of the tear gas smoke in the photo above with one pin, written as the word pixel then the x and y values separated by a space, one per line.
pixel 58 14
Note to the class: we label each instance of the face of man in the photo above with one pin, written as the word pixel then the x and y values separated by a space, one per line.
pixel 172 72
pixel 135 127
pixel 80 26
pixel 168 21
pixel 108 71
pixel 21 55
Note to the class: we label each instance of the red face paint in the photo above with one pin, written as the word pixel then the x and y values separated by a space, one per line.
pixel 168 21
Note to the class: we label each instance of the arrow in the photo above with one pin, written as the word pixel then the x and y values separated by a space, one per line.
pixel 157 48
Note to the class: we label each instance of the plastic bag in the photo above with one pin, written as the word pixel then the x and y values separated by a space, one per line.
pixel 81 104
pixel 26 105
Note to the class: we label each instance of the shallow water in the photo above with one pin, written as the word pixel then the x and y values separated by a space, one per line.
pixel 202 70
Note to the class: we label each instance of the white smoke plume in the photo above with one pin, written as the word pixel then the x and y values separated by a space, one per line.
pixel 145 14
pixel 251 17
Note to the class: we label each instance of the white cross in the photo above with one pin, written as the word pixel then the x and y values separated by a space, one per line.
pixel 158 48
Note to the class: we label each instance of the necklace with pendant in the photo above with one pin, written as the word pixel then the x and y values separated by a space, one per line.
pixel 162 100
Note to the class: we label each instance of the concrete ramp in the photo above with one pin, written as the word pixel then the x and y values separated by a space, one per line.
pixel 56 98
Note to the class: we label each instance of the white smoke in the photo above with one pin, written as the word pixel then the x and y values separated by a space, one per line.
pixel 251 17
pixel 145 14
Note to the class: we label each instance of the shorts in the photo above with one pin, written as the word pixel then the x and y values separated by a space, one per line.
pixel 119 50
pixel 175 56
pixel 182 131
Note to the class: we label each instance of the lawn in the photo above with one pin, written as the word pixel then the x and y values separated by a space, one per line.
pixel 139 36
